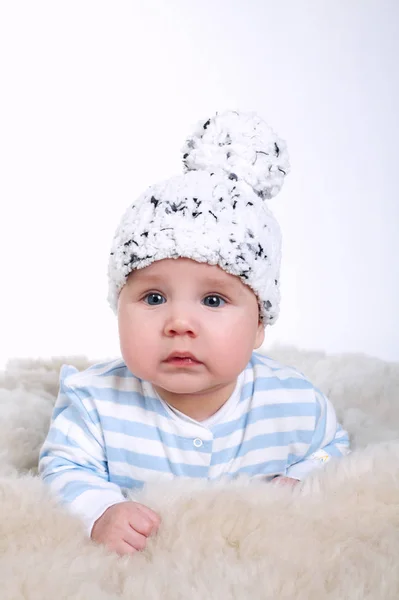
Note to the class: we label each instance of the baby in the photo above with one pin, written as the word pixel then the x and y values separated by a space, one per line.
pixel 194 280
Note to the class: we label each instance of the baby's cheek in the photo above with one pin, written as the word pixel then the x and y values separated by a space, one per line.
pixel 132 345
pixel 231 355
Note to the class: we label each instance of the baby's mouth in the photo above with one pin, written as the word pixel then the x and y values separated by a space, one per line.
pixel 182 361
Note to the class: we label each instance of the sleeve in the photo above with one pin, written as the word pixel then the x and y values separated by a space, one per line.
pixel 329 440
pixel 72 460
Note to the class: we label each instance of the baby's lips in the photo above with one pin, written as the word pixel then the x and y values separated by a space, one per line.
pixel 177 355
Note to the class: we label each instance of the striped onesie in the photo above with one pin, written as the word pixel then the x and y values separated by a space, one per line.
pixel 110 431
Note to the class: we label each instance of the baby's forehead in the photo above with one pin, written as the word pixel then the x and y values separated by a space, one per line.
pixel 182 268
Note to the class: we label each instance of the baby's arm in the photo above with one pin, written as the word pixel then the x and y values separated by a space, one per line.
pixel 72 460
pixel 73 463
pixel 329 440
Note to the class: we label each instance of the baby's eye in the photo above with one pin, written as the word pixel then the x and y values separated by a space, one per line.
pixel 214 301
pixel 154 296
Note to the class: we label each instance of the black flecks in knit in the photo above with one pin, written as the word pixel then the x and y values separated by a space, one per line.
pixel 177 207
pixel 174 207
pixel 145 234
pixel 249 204
pixel 260 250
pixel 250 234
pixel 196 214
pixel 154 201
pixel 282 170
pixel 276 149
pixel 134 258
pixel 213 215
pixel 235 196
pixel 234 203
pixel 233 176
pixel 268 304
pixel 197 202
pixel 263 194
pixel 207 124
pixel 130 242
pixel 275 282
pixel 185 155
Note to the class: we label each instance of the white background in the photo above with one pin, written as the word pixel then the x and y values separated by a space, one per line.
pixel 96 100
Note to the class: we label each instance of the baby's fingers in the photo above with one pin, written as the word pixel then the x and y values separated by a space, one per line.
pixel 139 521
pixel 120 546
pixel 135 539
pixel 154 518
pixel 124 548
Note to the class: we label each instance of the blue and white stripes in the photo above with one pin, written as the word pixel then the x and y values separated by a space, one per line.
pixel 110 431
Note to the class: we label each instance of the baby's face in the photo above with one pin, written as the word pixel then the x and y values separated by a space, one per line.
pixel 179 305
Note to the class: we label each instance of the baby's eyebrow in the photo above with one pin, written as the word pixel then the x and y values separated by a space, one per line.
pixel 209 281
pixel 145 279
pixel 206 282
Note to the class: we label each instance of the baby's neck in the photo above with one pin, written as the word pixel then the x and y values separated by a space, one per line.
pixel 198 406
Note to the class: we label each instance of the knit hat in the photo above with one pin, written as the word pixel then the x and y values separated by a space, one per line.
pixel 215 212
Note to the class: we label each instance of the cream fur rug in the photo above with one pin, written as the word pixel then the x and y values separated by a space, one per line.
pixel 336 538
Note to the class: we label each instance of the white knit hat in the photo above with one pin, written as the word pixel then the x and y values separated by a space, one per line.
pixel 215 212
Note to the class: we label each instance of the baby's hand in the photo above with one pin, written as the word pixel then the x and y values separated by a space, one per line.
pixel 125 527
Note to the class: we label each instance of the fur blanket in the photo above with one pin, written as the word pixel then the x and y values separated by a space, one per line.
pixel 336 537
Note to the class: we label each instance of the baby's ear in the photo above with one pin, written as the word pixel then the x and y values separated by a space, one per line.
pixel 260 335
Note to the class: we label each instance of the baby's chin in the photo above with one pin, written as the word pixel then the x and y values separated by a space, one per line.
pixel 185 385
pixel 181 387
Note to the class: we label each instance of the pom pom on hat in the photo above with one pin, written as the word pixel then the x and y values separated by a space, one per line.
pixel 215 212
pixel 241 145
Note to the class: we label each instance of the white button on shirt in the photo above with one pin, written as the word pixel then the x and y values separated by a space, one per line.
pixel 197 443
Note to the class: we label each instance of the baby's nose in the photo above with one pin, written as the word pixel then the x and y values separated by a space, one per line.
pixel 181 321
